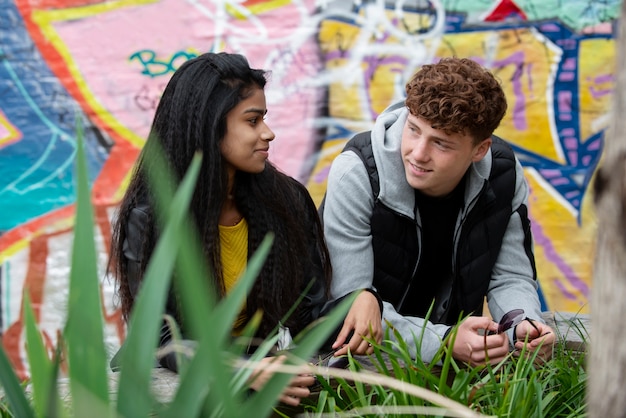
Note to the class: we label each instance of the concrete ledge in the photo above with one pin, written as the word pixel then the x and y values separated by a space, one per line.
pixel 572 329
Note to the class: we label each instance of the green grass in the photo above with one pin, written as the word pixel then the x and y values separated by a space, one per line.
pixel 520 386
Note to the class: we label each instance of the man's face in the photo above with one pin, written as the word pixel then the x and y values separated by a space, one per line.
pixel 435 162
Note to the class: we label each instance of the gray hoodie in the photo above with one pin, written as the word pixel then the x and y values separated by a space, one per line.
pixel 347 212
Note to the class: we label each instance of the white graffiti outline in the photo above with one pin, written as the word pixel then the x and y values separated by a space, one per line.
pixel 374 23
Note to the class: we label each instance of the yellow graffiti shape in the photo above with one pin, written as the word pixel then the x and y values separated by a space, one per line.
pixel 360 74
pixel 524 62
pixel 596 72
pixel 253 7
pixel 564 275
pixel 8 132
pixel 336 40
pixel 318 180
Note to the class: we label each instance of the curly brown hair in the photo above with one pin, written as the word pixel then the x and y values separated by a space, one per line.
pixel 457 95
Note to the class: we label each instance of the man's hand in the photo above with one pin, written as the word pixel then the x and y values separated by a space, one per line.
pixel 363 319
pixel 473 347
pixel 540 337
pixel 298 386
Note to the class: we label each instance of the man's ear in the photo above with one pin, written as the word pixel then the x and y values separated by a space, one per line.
pixel 481 149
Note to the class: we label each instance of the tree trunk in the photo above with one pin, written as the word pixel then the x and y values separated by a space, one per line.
pixel 606 396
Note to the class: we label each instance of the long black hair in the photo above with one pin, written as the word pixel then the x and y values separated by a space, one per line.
pixel 191 117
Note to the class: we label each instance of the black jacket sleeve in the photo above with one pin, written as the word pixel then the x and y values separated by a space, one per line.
pixel 315 299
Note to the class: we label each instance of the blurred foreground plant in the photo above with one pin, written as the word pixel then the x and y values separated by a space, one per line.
pixel 207 386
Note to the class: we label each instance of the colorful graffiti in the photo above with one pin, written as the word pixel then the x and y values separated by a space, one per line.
pixel 335 66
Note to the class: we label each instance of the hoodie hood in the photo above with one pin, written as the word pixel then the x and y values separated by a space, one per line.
pixel 395 192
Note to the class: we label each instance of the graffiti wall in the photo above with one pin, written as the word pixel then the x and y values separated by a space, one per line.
pixel 335 66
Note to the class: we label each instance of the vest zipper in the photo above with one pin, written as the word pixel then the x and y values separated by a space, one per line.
pixel 457 239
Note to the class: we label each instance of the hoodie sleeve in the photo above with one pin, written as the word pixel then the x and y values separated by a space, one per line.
pixel 415 332
pixel 514 278
pixel 347 211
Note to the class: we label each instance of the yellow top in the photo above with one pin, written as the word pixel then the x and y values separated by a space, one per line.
pixel 234 257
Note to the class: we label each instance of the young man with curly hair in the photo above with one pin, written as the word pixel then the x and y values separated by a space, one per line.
pixel 428 213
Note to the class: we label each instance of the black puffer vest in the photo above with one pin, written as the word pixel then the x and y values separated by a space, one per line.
pixel 396 239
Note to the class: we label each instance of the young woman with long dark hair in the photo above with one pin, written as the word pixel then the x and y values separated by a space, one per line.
pixel 215 104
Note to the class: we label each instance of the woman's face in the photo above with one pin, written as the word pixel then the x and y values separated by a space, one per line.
pixel 246 144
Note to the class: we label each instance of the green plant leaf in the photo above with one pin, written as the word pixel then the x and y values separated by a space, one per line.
pixel 84 328
pixel 242 375
pixel 41 367
pixel 308 342
pixel 192 284
pixel 229 308
pixel 137 357
pixel 55 407
pixel 13 390
pixel 209 370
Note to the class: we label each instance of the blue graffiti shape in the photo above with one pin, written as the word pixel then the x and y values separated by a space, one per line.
pixel 37 171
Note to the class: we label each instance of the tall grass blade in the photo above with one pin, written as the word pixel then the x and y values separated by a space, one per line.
pixel 55 407
pixel 13 391
pixel 137 357
pixel 307 342
pixel 43 380
pixel 231 305
pixel 84 328
pixel 209 373
pixel 192 281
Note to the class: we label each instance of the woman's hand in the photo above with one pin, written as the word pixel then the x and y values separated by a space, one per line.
pixel 363 319
pixel 297 389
